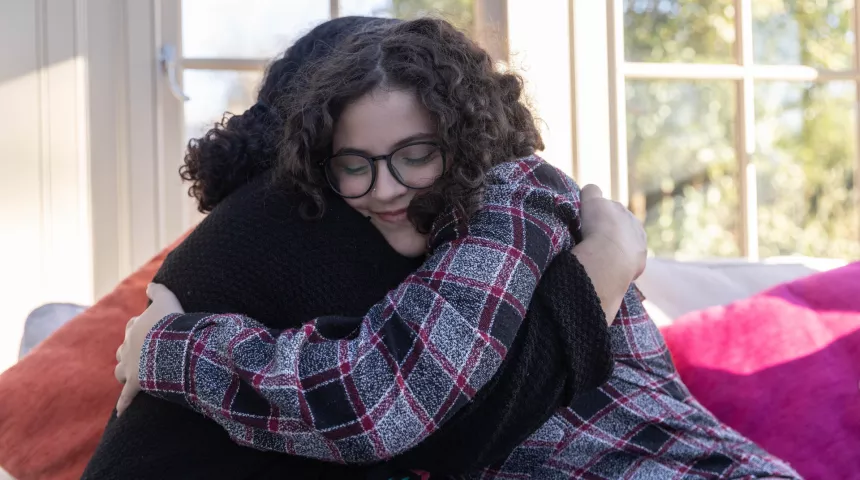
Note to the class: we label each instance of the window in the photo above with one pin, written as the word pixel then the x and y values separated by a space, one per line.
pixel 741 132
pixel 733 122
pixel 458 12
pixel 227 44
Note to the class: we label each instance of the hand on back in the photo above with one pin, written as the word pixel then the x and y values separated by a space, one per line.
pixel 610 224
pixel 128 354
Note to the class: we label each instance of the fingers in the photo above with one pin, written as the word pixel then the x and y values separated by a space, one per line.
pixel 156 289
pixel 119 373
pixel 125 398
pixel 127 328
pixel 164 297
pixel 590 192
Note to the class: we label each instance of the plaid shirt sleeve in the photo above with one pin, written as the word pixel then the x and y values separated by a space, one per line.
pixel 417 357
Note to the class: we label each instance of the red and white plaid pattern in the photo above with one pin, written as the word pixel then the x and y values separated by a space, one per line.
pixel 418 356
pixel 423 352
pixel 642 424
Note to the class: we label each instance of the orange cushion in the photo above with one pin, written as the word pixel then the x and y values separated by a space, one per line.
pixel 55 402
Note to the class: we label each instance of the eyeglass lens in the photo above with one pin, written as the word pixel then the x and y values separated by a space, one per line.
pixel 414 166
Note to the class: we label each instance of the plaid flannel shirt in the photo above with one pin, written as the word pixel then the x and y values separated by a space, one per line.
pixel 641 424
pixel 371 397
pixel 418 356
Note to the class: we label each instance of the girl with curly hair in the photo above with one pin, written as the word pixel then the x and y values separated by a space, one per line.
pixel 413 128
pixel 257 253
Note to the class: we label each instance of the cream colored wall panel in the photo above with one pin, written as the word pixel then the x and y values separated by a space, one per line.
pixel 105 92
pixel 68 253
pixel 125 138
pixel 142 154
pixel 21 183
pixel 45 251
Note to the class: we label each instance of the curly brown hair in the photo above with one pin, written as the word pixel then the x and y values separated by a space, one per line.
pixel 480 116
pixel 241 147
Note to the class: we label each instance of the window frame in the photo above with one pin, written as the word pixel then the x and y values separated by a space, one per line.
pixel 597 116
pixel 178 212
pixel 744 73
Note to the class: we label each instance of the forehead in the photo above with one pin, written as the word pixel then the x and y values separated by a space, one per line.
pixel 377 121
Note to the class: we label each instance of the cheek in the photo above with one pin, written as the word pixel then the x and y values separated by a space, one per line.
pixel 359 204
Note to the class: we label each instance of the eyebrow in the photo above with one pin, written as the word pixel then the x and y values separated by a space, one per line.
pixel 400 143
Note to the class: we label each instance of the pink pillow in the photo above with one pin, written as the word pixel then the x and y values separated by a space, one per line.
pixel 783 368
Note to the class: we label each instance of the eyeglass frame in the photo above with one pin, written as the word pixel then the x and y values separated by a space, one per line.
pixel 373 169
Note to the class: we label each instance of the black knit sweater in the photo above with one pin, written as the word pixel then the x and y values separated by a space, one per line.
pixel 254 254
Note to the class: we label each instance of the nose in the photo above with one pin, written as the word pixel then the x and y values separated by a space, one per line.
pixel 386 187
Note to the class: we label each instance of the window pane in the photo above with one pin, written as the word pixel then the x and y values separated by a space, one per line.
pixel 458 12
pixel 247 28
pixel 683 170
pixel 805 160
pixel 696 31
pixel 215 92
pixel 370 8
pixel 805 32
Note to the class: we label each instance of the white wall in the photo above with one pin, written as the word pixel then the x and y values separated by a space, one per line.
pixel 88 190
pixel 45 252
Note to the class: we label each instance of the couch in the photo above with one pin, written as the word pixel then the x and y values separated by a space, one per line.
pixel 672 288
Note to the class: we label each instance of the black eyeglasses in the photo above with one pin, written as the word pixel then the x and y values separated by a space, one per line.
pixel 416 165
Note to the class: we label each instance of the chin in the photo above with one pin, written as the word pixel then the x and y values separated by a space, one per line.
pixel 409 247
pixel 410 251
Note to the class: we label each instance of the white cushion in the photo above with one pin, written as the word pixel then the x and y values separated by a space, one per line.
pixel 673 288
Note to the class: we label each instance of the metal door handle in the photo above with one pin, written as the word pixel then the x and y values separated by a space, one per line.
pixel 167 59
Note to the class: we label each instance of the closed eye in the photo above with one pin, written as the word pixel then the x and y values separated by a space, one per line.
pixel 356 170
pixel 418 161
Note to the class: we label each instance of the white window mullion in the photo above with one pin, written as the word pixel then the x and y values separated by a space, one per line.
pixel 617 102
pixel 745 130
pixel 548 82
pixel 225 63
pixel 590 80
pixel 726 71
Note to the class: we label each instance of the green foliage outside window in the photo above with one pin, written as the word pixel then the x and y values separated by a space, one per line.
pixel 458 12
pixel 681 134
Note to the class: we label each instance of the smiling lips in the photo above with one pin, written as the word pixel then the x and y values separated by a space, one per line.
pixel 392 216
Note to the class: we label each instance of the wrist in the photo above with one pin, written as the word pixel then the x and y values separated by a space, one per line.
pixel 609 272
pixel 604 251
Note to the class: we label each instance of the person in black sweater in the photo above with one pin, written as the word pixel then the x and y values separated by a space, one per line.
pixel 415 129
pixel 255 253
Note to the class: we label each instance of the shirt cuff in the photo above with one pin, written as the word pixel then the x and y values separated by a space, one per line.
pixel 164 369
